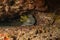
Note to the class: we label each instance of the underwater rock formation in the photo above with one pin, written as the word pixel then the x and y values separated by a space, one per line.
pixel 9 8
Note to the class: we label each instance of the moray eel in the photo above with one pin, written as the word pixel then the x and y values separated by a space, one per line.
pixel 27 20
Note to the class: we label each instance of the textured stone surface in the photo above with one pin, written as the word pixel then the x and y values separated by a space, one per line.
pixel 44 19
pixel 32 32
pixel 9 8
pixel 47 23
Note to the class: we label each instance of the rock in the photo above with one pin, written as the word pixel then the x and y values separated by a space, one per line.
pixel 44 19
pixel 19 6
pixel 40 5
